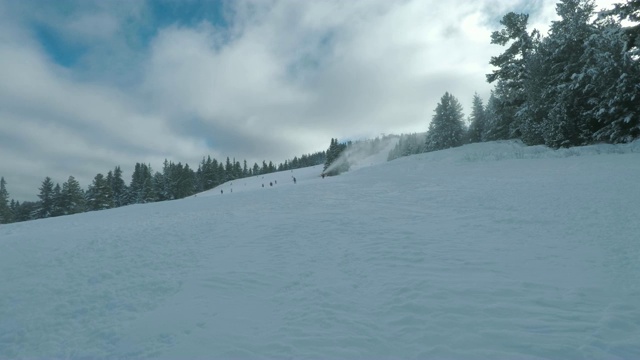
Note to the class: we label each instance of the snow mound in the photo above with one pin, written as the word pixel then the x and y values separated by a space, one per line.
pixel 515 149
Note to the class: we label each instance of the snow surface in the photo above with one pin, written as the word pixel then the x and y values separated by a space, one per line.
pixel 492 250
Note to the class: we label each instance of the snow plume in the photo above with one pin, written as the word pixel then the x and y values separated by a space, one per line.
pixel 365 153
pixel 409 144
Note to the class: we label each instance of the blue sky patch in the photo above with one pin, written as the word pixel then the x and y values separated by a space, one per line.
pixel 59 49
pixel 187 13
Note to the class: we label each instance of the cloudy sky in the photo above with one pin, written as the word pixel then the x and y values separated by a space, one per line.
pixel 86 85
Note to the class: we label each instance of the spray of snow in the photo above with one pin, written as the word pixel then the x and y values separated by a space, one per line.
pixel 366 153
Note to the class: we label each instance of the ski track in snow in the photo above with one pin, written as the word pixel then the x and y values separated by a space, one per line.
pixel 487 251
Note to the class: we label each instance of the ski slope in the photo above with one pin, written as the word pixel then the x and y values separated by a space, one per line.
pixel 494 251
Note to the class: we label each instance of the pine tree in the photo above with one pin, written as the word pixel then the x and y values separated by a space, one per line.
pixel 149 192
pixel 477 125
pixel 118 187
pixel 6 212
pixel 446 129
pixel 26 211
pixel 491 119
pixel 609 79
pixel 537 104
pixel 73 197
pixel 141 189
pixel 166 190
pixel 512 72
pixel 178 181
pixel 332 153
pixel 630 11
pixel 134 195
pixel 159 184
pixel 99 195
pixel 335 163
pixel 214 175
pixel 228 170
pixel 184 181
pixel 57 209
pixel 45 205
pixel 565 125
pixel 220 174
pixel 13 207
pixel 237 169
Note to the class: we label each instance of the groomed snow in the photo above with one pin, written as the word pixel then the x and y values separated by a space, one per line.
pixel 491 250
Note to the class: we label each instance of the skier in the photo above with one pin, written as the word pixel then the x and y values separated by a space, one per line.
pixel 221 192
pixel 294 179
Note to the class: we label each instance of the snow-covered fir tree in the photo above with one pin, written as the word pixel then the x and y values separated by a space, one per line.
pixel 118 187
pixel 576 86
pixel 477 120
pixel 629 11
pixel 45 205
pixel 511 72
pixel 141 189
pixel 565 124
pixel 6 213
pixel 72 197
pixel 609 77
pixel 446 129
pixel 57 208
pixel 99 195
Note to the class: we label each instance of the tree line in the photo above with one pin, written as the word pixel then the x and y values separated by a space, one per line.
pixel 576 86
pixel 174 181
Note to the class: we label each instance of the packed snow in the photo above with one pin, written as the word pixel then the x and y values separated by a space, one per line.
pixel 494 250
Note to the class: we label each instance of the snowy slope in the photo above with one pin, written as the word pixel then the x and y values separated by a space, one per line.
pixel 487 251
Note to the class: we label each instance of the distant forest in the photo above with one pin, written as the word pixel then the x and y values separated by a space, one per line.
pixel 578 85
pixel 175 181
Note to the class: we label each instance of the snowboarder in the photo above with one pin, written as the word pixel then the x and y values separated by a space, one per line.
pixel 221 192
pixel 270 184
pixel 294 179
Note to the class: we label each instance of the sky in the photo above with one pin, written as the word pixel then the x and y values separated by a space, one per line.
pixel 88 85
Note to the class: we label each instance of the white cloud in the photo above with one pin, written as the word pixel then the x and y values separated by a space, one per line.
pixel 334 68
pixel 51 123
